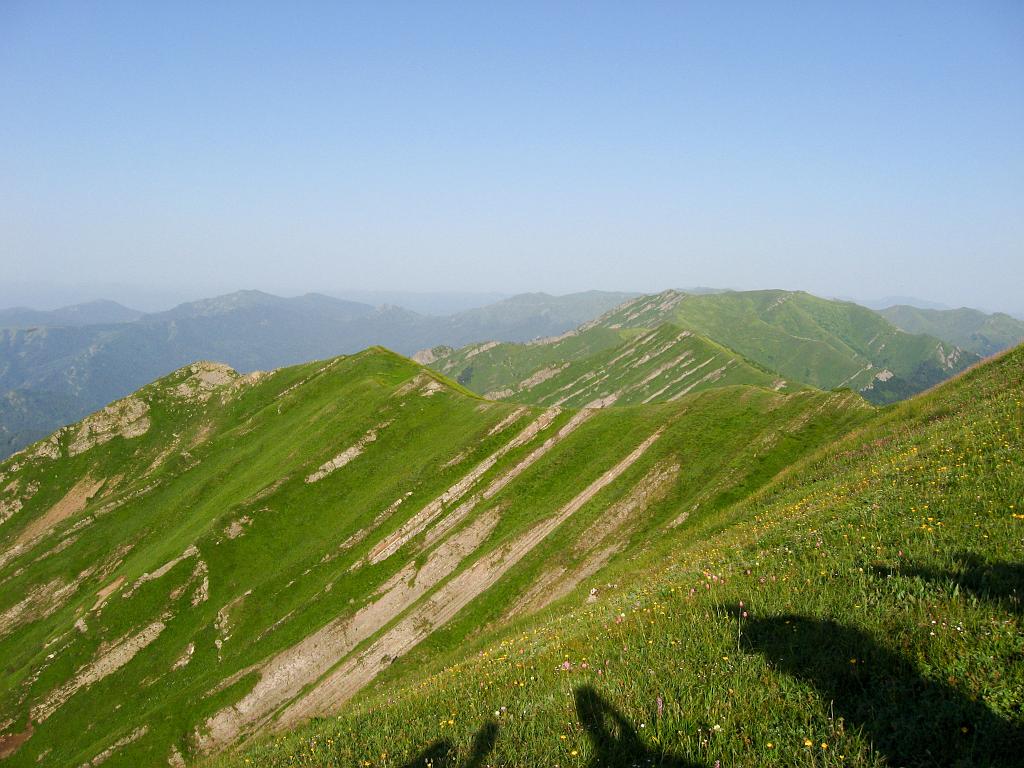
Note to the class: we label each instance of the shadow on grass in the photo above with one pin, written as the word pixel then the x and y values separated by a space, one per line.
pixel 440 753
pixel 615 742
pixel 996 581
pixel 909 719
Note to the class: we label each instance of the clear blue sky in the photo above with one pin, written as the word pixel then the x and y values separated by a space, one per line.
pixel 858 149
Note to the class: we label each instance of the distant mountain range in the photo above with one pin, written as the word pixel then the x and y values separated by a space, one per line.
pixel 54 371
pixel 90 313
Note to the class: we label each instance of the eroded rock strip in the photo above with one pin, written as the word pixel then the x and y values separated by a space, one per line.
pixel 508 421
pixel 500 482
pixel 163 570
pixel 599 543
pixel 285 675
pixel 347 455
pixel 442 606
pixel 715 375
pixel 687 372
pixel 105 665
pixel 414 525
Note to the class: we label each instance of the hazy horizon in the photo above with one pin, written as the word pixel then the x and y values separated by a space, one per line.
pixel 150 300
pixel 185 151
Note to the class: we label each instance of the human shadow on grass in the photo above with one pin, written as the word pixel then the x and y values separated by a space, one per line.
pixel 911 720
pixel 614 740
pixel 996 581
pixel 441 753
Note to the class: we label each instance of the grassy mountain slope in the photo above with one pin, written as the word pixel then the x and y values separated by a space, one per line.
pixel 862 609
pixel 970 329
pixel 599 364
pixel 86 367
pixel 219 554
pixel 816 341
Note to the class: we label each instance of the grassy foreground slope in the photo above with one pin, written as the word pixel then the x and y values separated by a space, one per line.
pixel 968 328
pixel 863 609
pixel 600 364
pixel 218 555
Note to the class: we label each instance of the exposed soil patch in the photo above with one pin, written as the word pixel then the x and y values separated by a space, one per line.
pixel 185 658
pixel 40 602
pixel 107 591
pixel 11 742
pixel 541 376
pixel 74 501
pixel 499 483
pixel 237 527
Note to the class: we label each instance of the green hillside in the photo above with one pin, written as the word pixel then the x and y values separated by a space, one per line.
pixel 219 554
pixel 807 339
pixel 597 364
pixel 778 339
pixel 970 329
pixel 862 609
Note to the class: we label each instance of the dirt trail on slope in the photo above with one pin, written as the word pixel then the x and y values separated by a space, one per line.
pixel 441 607
pixel 285 675
pixel 414 525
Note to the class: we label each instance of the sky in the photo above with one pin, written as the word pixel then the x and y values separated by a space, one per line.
pixel 849 149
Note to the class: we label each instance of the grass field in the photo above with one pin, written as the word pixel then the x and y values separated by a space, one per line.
pixel 862 609
pixel 219 555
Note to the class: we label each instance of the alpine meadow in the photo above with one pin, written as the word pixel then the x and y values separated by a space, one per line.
pixel 536 385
